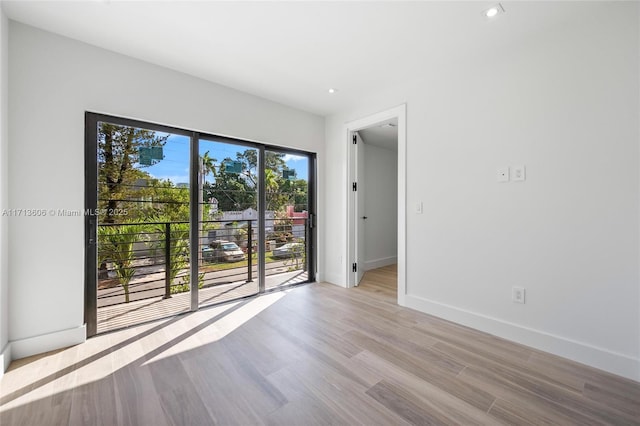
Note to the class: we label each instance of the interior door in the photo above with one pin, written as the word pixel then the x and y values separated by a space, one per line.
pixel 360 219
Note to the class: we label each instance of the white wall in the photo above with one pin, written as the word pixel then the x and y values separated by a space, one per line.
pixel 566 105
pixel 4 141
pixel 380 206
pixel 54 80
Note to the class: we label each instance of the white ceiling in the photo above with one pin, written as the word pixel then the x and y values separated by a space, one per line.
pixel 382 135
pixel 293 52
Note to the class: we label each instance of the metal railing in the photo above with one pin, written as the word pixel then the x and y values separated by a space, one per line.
pixel 152 259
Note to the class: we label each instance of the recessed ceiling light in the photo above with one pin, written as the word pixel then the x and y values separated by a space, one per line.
pixel 332 90
pixel 494 11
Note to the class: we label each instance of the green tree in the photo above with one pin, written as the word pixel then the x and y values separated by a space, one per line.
pixel 296 192
pixel 232 190
pixel 178 254
pixel 208 165
pixel 166 201
pixel 271 186
pixel 118 151
pixel 237 191
pixel 179 246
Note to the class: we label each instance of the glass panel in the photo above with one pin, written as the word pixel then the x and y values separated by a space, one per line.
pixel 229 221
pixel 286 217
pixel 143 229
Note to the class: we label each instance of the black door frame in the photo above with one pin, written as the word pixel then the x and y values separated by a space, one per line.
pixel 91 203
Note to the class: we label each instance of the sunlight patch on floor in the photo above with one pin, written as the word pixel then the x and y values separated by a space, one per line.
pixel 93 361
pixel 234 316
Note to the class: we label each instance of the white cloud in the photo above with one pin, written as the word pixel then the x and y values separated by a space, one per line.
pixel 175 179
pixel 291 157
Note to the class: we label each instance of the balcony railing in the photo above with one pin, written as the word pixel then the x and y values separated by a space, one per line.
pixel 152 260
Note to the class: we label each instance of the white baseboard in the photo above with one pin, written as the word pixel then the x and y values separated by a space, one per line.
pixel 48 342
pixel 616 363
pixel 379 263
pixel 333 279
pixel 5 358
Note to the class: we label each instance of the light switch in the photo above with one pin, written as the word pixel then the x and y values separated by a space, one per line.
pixel 518 173
pixel 419 207
pixel 502 174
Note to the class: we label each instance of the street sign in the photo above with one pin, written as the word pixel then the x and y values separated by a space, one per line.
pixel 289 174
pixel 156 153
pixel 233 167
pixel 144 154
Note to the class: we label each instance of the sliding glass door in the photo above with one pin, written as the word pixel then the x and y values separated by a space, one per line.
pixel 140 221
pixel 287 218
pixel 168 207
pixel 228 200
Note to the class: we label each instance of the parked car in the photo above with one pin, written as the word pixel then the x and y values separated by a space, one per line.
pixel 288 251
pixel 208 254
pixel 225 251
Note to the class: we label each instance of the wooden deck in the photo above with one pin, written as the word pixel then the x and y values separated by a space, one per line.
pixel 315 354
pixel 137 312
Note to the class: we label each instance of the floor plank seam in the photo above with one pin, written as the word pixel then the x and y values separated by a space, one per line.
pixel 491 406
pixel 461 371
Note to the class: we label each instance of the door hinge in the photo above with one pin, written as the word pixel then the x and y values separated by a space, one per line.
pixel 355 140
pixel 355 186
pixel 311 217
pixel 354 267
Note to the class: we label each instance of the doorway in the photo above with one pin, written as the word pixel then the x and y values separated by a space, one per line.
pixel 377 195
pixel 155 192
pixel 376 213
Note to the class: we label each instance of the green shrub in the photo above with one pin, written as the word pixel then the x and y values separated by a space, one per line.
pixel 115 244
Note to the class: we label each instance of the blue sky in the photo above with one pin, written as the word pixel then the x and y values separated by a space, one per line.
pixel 175 165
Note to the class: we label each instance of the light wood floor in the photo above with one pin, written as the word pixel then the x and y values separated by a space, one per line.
pixel 316 354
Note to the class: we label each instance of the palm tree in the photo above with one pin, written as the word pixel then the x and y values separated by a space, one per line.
pixel 115 243
pixel 208 165
pixel 270 184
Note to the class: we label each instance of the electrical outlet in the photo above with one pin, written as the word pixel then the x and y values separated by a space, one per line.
pixel 517 294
